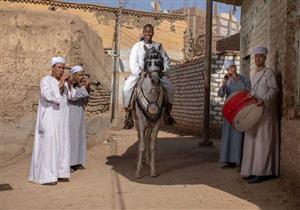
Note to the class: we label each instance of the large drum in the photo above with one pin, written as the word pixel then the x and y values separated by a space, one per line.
pixel 241 111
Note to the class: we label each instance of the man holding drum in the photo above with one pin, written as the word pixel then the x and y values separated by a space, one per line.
pixel 261 145
pixel 231 149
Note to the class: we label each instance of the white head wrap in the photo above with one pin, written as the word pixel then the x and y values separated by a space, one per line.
pixel 56 60
pixel 261 50
pixel 229 63
pixel 76 69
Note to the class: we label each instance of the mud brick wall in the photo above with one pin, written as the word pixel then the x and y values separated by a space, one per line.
pixel 99 101
pixel 188 80
pixel 169 28
pixel 29 39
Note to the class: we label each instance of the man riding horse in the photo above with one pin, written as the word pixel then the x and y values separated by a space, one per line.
pixel 137 66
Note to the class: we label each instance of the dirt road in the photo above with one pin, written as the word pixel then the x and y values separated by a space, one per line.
pixel 189 178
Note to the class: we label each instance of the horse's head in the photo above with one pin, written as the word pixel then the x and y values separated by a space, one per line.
pixel 153 63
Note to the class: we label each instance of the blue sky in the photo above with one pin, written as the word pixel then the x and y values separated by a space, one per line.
pixel 165 4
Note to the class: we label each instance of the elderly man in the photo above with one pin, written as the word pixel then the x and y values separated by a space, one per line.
pixel 51 150
pixel 261 144
pixel 77 100
pixel 137 65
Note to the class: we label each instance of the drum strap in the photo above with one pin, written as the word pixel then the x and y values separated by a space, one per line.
pixel 255 86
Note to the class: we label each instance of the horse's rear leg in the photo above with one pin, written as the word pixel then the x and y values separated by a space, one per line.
pixel 140 154
pixel 152 149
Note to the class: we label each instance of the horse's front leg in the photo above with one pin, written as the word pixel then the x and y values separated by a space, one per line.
pixel 152 148
pixel 147 146
pixel 140 152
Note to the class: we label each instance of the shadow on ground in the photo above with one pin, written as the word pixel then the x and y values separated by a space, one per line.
pixel 180 161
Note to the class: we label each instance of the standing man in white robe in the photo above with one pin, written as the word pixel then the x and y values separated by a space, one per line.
pixel 261 144
pixel 137 65
pixel 77 101
pixel 51 149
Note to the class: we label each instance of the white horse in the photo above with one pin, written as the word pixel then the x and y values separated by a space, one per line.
pixel 149 108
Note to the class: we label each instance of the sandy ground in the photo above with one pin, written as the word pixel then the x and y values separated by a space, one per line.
pixel 189 178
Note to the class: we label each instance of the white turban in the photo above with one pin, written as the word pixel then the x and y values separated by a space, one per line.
pixel 229 63
pixel 261 50
pixel 76 69
pixel 56 60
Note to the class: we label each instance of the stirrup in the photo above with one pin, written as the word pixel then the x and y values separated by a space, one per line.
pixel 128 122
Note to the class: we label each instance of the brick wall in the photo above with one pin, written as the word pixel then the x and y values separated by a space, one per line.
pixel 231 43
pixel 188 80
pixel 254 30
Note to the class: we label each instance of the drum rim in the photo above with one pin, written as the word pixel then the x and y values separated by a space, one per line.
pixel 236 92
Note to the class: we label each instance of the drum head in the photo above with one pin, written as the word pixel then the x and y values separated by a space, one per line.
pixel 247 117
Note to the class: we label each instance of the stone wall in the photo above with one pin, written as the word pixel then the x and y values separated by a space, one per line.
pixel 188 80
pixel 29 39
pixel 274 23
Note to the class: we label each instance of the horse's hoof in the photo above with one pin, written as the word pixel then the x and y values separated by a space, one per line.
pixel 137 176
pixel 153 174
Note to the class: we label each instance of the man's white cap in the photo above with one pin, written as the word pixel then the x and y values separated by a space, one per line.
pixel 56 60
pixel 229 63
pixel 261 50
pixel 76 69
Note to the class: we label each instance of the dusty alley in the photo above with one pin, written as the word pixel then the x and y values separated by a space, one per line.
pixel 189 178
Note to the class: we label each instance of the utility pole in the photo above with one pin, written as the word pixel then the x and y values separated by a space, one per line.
pixel 206 131
pixel 116 64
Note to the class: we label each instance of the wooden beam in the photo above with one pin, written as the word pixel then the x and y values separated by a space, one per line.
pixel 206 131
pixel 232 2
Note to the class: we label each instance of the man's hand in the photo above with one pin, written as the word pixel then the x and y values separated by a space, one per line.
pixel 260 103
pixel 225 79
pixel 64 78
